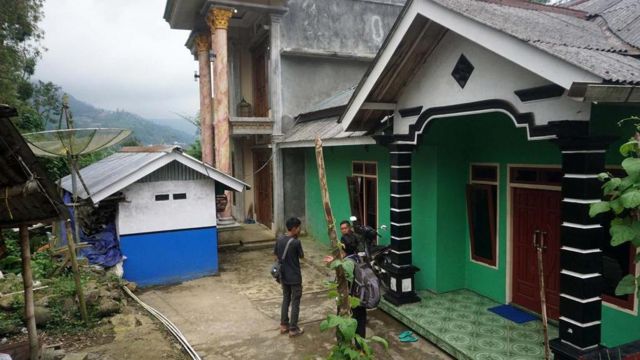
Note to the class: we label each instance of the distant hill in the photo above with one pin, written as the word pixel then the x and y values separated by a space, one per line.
pixel 177 123
pixel 146 131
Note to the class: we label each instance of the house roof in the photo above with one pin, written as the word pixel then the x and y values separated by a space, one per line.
pixel 114 173
pixel 19 165
pixel 584 39
pixel 622 16
pixel 564 45
pixel 303 134
pixel 322 120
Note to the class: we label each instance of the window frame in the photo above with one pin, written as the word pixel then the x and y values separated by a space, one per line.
pixel 495 215
pixel 364 193
pixel 161 197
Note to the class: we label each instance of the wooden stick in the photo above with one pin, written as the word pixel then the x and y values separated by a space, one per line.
pixel 543 299
pixel 27 280
pixel 344 306
pixel 76 273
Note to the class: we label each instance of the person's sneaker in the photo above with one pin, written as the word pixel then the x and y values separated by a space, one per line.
pixel 296 332
pixel 284 329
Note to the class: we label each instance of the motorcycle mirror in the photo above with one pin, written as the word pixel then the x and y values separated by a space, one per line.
pixel 353 218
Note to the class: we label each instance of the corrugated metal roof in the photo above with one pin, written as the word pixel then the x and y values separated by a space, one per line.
pixel 325 128
pixel 104 174
pixel 340 98
pixel 575 40
pixel 622 17
pixel 101 174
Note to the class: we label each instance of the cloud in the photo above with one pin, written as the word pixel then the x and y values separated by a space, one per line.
pixel 119 54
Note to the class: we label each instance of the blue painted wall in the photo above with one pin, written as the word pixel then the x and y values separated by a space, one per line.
pixel 170 256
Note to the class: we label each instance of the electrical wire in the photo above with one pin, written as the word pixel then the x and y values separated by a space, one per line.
pixel 173 329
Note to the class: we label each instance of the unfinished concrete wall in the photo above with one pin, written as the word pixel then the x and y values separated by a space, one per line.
pixel 346 26
pixel 306 81
pixel 294 184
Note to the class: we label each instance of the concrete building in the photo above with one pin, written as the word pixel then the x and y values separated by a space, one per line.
pixel 281 58
pixel 164 206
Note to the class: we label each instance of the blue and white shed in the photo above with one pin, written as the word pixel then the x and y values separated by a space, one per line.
pixel 166 213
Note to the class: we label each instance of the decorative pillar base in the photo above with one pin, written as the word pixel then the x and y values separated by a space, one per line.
pixel 563 351
pixel 226 221
pixel 401 285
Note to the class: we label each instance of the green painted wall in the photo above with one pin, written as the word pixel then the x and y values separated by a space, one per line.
pixel 440 172
pixel 448 148
pixel 618 327
pixel 338 161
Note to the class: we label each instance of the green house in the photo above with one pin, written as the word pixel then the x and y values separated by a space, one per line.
pixel 477 134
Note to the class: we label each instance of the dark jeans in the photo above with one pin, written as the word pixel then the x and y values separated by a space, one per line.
pixel 360 315
pixel 291 294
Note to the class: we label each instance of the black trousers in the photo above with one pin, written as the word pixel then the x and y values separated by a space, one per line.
pixel 291 295
pixel 360 314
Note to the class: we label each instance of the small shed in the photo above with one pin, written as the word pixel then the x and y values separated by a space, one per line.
pixel 165 216
pixel 27 197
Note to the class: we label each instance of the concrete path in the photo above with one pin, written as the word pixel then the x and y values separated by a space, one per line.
pixel 236 315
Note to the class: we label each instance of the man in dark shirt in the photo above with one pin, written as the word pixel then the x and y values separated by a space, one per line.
pixel 290 277
pixel 348 238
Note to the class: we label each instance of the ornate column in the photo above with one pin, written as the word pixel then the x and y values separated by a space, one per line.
pixel 583 158
pixel 206 126
pixel 219 23
pixel 401 271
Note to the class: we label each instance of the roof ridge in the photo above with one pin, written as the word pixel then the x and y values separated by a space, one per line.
pixel 527 5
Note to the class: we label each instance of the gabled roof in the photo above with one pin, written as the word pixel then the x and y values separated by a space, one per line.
pixel 116 172
pixel 579 38
pixel 37 200
pixel 622 16
pixel 565 46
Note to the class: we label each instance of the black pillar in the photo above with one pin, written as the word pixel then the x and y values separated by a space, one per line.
pixel 401 271
pixel 583 158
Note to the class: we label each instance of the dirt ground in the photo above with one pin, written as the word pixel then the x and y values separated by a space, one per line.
pixel 236 315
pixel 132 334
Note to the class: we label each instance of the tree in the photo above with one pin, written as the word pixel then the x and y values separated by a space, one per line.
pixel 622 199
pixel 20 49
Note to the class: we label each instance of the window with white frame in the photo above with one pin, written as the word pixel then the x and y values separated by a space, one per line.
pixel 482 196
pixel 363 192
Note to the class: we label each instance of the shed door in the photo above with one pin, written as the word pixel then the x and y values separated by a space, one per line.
pixel 533 210
pixel 263 189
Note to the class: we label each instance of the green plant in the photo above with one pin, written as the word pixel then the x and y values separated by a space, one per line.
pixel 349 344
pixel 622 199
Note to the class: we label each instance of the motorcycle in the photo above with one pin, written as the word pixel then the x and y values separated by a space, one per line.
pixel 377 256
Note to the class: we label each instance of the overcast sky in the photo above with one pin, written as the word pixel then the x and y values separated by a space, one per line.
pixel 119 54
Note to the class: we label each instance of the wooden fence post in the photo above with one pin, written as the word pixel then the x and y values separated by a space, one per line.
pixel 27 280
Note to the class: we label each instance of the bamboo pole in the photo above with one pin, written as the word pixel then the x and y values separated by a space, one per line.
pixel 76 272
pixel 543 299
pixel 27 280
pixel 344 306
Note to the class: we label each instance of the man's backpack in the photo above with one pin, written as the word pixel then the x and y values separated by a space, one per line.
pixel 366 285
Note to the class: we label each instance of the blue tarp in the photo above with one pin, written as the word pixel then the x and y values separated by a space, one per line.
pixel 104 248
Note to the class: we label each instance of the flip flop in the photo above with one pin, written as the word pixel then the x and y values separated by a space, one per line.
pixel 405 334
pixel 408 339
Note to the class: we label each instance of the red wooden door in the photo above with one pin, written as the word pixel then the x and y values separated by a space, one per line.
pixel 533 210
